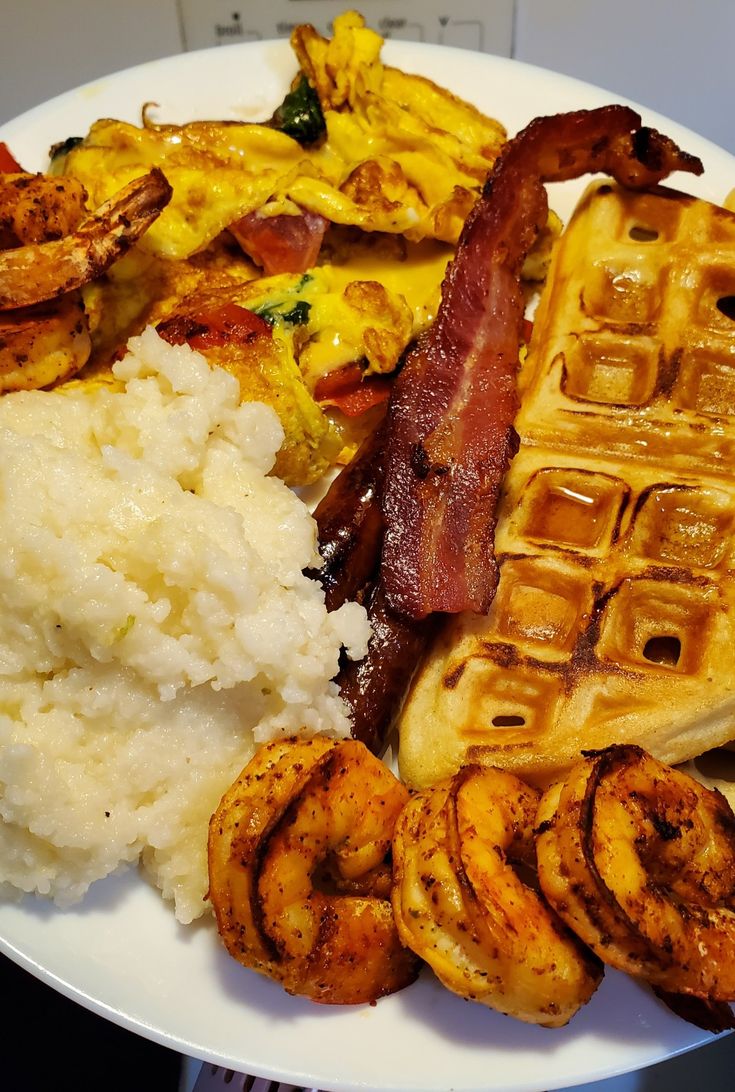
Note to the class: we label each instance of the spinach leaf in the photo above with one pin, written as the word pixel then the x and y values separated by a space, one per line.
pixel 64 147
pixel 298 315
pixel 300 114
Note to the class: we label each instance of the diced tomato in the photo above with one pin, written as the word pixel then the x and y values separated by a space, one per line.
pixel 338 382
pixel 8 163
pixel 350 391
pixel 214 327
pixel 527 330
pixel 281 244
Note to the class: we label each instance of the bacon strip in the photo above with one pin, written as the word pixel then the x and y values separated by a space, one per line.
pixel 375 687
pixel 350 529
pixel 350 525
pixel 450 425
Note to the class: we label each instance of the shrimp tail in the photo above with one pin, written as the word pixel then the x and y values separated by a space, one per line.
pixel 43 271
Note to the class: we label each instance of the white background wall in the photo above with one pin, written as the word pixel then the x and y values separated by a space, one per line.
pixel 675 56
pixel 49 46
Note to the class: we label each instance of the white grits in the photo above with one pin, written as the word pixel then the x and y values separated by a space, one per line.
pixel 154 621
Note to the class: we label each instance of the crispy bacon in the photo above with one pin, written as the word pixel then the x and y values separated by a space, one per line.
pixel 350 525
pixel 350 528
pixel 450 426
pixel 374 687
pixel 281 244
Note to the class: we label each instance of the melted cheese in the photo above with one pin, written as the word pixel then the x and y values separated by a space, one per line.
pixel 412 270
pixel 400 154
pixel 395 174
pixel 366 302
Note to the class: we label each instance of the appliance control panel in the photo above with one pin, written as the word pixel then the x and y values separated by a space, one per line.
pixel 485 27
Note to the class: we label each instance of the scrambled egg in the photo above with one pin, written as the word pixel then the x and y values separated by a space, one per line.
pixel 397 167
pixel 400 154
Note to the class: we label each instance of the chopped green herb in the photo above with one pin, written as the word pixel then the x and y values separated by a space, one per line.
pixel 300 114
pixel 64 147
pixel 122 631
pixel 298 315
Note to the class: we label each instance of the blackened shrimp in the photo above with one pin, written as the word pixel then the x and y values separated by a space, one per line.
pixel 462 906
pixel 35 208
pixel 41 271
pixel 299 878
pixel 639 859
pixel 44 344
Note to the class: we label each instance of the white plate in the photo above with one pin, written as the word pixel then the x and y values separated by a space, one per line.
pixel 121 953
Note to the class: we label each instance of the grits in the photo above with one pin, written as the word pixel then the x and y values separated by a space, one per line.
pixel 155 621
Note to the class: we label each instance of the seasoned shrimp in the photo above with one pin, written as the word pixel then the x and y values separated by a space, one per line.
pixel 35 208
pixel 298 874
pixel 460 904
pixel 639 859
pixel 49 342
pixel 43 344
pixel 42 271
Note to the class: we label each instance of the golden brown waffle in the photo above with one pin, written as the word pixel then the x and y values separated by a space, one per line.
pixel 614 619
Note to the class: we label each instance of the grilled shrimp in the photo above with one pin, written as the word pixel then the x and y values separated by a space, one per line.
pixel 639 859
pixel 35 208
pixel 460 904
pixel 298 874
pixel 49 342
pixel 42 271
pixel 43 344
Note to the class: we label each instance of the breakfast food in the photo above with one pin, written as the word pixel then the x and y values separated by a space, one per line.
pixel 639 859
pixel 36 207
pixel 288 297
pixel 329 877
pixel 122 672
pixel 52 249
pixel 299 876
pixel 334 221
pixel 449 434
pixel 390 152
pixel 242 342
pixel 613 619
pixel 461 905
pixel 36 272
pixel 155 622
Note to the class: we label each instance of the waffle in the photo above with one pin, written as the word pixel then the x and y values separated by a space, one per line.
pixel 614 617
